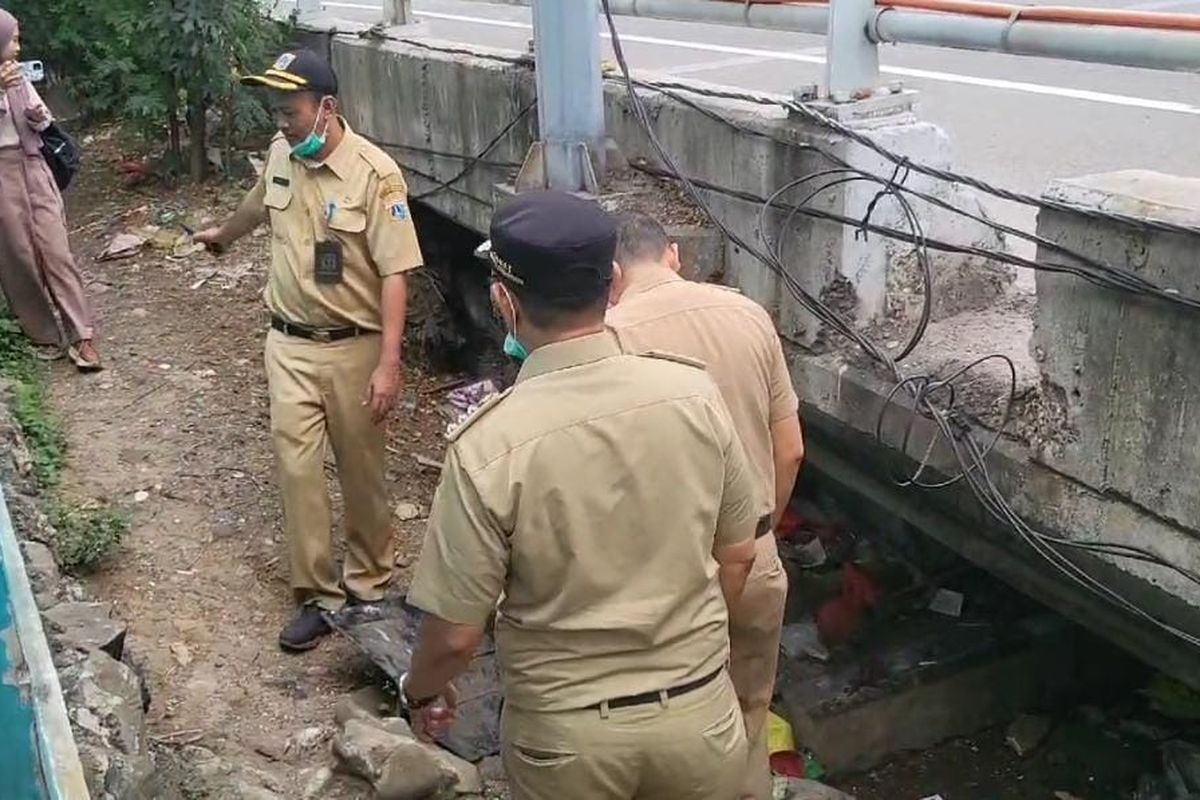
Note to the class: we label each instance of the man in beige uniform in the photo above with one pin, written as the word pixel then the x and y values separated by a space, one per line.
pixel 734 337
pixel 342 240
pixel 605 502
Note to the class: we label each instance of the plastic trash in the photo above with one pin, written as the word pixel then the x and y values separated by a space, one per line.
pixel 803 640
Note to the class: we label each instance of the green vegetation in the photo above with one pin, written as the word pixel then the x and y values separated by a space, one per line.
pixel 84 534
pixel 42 435
pixel 161 65
pixel 26 377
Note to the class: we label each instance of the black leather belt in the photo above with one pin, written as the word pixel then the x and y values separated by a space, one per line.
pixel 654 697
pixel 316 334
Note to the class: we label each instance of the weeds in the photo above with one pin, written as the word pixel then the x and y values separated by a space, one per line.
pixel 27 378
pixel 42 434
pixel 85 535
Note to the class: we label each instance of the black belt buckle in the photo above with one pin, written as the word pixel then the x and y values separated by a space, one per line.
pixel 319 335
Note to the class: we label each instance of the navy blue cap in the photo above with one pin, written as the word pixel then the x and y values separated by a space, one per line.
pixel 552 244
pixel 297 71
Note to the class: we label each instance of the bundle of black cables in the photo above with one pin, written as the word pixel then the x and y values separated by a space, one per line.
pixel 931 398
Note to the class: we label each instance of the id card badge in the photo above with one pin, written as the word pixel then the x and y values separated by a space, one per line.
pixel 328 261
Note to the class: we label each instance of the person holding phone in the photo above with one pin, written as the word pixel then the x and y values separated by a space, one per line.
pixel 37 271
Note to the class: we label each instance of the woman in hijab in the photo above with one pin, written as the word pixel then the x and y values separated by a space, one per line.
pixel 37 270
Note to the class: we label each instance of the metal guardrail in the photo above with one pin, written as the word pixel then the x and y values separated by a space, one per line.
pixel 393 12
pixel 853 29
pixel 1107 36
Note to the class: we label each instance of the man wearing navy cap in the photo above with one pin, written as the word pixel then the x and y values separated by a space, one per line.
pixel 342 241
pixel 605 503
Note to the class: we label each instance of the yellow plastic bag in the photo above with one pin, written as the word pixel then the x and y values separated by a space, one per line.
pixel 780 738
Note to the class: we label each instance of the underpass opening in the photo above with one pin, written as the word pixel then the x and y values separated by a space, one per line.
pixel 451 324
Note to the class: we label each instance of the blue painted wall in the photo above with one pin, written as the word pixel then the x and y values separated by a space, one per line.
pixel 20 774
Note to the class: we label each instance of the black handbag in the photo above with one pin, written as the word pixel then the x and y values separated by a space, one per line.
pixel 61 155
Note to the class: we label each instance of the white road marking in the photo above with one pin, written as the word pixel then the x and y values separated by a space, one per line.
pixel 724 63
pixel 807 57
pixel 906 72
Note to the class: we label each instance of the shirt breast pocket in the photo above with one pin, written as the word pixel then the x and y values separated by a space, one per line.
pixel 348 221
pixel 277 197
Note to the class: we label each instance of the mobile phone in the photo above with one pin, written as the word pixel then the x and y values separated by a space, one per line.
pixel 33 70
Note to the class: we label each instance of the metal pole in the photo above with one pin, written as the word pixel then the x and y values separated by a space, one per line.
pixel 810 18
pixel 851 59
pixel 1130 47
pixel 570 95
pixel 397 12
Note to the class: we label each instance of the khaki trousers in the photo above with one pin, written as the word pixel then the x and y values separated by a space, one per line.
pixel 755 626
pixel 691 747
pixel 317 391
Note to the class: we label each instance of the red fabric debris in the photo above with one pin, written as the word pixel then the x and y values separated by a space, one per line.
pixel 839 619
pixel 787 763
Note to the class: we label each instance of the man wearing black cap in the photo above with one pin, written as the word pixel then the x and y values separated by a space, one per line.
pixel 342 241
pixel 606 503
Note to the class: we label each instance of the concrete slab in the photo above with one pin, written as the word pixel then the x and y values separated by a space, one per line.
pixel 859 736
pixel 1139 192
pixel 1126 370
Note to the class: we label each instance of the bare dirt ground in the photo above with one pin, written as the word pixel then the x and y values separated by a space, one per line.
pixel 176 430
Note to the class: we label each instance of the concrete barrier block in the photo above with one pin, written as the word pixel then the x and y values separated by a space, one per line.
pixel 1125 366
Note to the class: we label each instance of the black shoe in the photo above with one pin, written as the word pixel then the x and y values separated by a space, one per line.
pixel 306 631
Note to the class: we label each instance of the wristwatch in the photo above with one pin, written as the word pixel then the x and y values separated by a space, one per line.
pixel 411 703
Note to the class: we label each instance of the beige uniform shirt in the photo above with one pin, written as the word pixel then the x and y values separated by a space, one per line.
pixel 737 341
pixel 589 498
pixel 358 197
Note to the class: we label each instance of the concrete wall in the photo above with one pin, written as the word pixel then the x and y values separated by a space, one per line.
pixel 406 96
pixel 413 96
pixel 1127 368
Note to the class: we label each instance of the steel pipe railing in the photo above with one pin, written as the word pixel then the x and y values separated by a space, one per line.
pixel 1130 47
pixel 1106 36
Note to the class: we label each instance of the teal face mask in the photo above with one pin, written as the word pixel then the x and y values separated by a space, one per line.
pixel 308 147
pixel 512 345
pixel 514 349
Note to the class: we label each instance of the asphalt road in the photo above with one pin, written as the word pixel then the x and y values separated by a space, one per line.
pixel 1014 120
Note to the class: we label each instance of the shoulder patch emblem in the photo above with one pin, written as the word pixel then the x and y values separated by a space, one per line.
pixel 454 431
pixel 399 211
pixel 392 187
pixel 678 359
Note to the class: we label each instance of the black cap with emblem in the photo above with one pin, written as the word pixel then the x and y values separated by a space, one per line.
pixel 554 245
pixel 297 71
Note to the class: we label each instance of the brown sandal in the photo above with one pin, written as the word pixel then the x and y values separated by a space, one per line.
pixel 82 363
pixel 48 352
